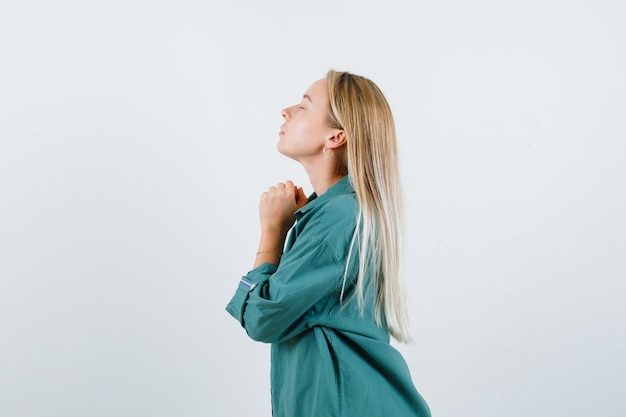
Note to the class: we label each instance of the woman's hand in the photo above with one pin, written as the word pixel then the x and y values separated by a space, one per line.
pixel 278 205
pixel 277 212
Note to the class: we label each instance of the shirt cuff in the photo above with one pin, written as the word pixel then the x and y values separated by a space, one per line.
pixel 248 283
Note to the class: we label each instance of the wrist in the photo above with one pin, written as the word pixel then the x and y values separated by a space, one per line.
pixel 277 232
pixel 269 256
pixel 272 252
pixel 272 240
pixel 270 248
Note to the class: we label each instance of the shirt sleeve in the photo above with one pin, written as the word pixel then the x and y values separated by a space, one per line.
pixel 276 303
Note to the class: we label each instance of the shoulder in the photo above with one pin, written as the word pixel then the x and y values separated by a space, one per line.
pixel 333 222
pixel 339 211
pixel 341 204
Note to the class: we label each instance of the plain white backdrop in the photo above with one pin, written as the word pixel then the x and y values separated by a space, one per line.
pixel 137 136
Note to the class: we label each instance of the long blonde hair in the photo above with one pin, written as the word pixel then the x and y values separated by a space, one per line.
pixel 359 107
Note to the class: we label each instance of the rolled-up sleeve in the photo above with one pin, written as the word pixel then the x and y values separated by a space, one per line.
pixel 247 284
pixel 276 303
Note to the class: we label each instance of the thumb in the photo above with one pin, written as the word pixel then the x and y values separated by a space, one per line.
pixel 300 197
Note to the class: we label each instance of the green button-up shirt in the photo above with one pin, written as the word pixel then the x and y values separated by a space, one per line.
pixel 328 358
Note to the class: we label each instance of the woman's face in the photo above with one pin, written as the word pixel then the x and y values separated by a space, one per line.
pixel 306 128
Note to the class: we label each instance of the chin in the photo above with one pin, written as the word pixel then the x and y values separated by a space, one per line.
pixel 280 149
pixel 285 152
pixel 288 155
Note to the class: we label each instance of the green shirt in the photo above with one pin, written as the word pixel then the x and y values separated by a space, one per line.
pixel 328 358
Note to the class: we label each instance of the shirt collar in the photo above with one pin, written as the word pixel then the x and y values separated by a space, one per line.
pixel 343 186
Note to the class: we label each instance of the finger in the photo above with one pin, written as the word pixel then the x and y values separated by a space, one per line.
pixel 301 198
pixel 263 197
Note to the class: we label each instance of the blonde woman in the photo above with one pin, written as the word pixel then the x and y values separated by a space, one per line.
pixel 326 289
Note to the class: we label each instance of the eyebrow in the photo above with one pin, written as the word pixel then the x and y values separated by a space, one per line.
pixel 308 97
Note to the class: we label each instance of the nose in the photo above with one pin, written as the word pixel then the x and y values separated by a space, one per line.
pixel 286 113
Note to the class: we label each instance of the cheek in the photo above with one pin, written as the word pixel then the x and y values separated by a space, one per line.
pixel 310 130
pixel 299 134
pixel 301 129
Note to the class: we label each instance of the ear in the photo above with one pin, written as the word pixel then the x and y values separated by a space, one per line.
pixel 337 140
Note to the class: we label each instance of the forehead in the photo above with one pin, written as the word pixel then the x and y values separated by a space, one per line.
pixel 318 90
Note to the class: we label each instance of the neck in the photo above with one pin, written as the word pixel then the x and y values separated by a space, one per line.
pixel 321 185
pixel 322 179
pixel 323 171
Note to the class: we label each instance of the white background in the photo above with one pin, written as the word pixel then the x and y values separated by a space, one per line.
pixel 137 136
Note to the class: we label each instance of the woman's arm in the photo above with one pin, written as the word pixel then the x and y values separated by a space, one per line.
pixel 276 303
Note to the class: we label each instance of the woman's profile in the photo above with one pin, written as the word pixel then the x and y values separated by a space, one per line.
pixel 326 289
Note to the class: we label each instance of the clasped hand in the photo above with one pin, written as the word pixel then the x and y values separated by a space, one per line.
pixel 278 206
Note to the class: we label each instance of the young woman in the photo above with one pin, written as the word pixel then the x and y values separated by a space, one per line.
pixel 329 294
